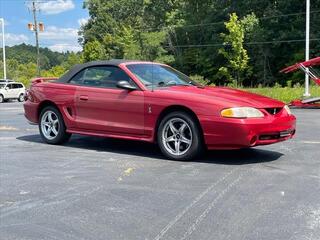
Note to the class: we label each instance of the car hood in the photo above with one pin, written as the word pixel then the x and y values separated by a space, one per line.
pixel 224 96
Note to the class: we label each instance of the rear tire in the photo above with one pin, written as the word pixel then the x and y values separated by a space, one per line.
pixel 21 97
pixel 179 136
pixel 51 126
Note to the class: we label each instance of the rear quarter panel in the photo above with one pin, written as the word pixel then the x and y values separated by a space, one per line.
pixel 61 95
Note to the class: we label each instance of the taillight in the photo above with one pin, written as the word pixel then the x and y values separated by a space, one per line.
pixel 28 96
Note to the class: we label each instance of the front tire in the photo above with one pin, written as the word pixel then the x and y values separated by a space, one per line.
pixel 51 126
pixel 1 98
pixel 21 97
pixel 179 136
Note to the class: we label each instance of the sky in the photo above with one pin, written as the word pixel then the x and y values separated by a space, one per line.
pixel 62 20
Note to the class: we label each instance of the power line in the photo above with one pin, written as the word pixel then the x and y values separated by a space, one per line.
pixel 222 22
pixel 248 43
pixel 289 14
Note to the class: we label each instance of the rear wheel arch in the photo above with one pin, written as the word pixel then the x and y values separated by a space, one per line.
pixel 44 104
pixel 177 108
pixel 51 122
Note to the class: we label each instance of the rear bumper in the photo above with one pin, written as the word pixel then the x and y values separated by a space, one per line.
pixel 31 111
pixel 222 133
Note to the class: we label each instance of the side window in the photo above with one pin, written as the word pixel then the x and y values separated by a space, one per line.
pixel 101 76
pixel 78 78
pixel 9 86
pixel 16 86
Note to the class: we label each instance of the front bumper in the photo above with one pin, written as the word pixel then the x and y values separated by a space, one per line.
pixel 224 133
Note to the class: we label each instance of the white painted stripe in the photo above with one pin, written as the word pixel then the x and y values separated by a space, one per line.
pixel 310 142
pixel 7 138
pixel 11 109
pixel 196 200
pixel 204 214
pixel 8 128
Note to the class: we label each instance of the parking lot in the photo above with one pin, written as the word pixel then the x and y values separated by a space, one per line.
pixel 96 188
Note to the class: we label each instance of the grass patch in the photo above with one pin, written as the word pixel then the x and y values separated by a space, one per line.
pixel 285 94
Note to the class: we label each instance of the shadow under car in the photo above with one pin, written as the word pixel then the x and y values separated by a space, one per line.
pixel 144 149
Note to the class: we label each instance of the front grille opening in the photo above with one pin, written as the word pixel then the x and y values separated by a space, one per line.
pixel 273 136
pixel 269 136
pixel 273 111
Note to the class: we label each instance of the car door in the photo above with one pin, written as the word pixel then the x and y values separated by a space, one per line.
pixel 16 90
pixel 103 107
pixel 9 91
pixel 20 89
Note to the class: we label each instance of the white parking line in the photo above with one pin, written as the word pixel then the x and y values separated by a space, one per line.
pixel 8 128
pixel 7 138
pixel 197 199
pixel 310 142
pixel 203 215
pixel 11 108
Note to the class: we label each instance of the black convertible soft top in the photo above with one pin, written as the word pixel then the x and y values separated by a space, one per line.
pixel 79 67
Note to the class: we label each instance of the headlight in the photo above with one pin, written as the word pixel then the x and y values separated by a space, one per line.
pixel 287 109
pixel 242 112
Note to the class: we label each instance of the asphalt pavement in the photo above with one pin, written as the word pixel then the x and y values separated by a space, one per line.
pixel 97 188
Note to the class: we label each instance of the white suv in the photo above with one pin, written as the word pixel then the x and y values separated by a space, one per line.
pixel 12 90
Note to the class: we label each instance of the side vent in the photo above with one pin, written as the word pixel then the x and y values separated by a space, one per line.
pixel 69 110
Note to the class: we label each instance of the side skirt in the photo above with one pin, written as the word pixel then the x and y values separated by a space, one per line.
pixel 111 135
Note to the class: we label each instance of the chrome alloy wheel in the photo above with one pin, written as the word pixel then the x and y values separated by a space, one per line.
pixel 21 98
pixel 50 125
pixel 177 136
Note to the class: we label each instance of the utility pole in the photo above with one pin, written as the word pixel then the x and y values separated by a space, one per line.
pixel 35 29
pixel 307 93
pixel 3 50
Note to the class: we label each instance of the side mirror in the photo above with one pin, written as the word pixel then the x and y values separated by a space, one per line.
pixel 6 88
pixel 126 85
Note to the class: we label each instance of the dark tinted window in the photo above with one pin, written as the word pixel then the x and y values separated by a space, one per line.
pixel 154 75
pixel 78 78
pixel 9 86
pixel 17 85
pixel 100 76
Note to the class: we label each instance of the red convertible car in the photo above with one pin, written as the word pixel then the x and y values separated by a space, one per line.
pixel 155 103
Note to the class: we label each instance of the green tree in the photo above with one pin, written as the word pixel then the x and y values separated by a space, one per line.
pixel 128 29
pixel 56 71
pixel 127 43
pixel 72 59
pixel 93 51
pixel 233 50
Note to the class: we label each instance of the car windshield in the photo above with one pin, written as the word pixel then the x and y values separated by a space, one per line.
pixel 155 76
pixel 2 85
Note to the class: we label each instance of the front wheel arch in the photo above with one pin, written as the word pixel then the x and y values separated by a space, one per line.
pixel 176 108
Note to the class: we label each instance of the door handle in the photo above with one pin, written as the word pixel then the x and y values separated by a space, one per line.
pixel 84 98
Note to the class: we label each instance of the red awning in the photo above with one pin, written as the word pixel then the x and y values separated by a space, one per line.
pixel 310 63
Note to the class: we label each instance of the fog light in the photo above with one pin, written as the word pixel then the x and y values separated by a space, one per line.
pixel 253 140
